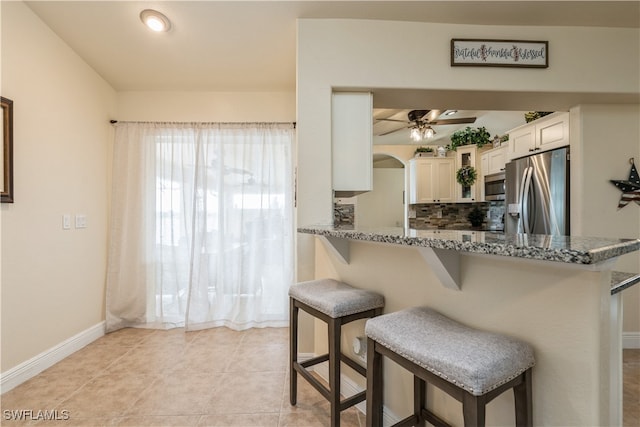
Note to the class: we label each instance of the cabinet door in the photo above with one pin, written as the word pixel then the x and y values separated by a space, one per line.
pixel 352 142
pixel 484 170
pixel 466 156
pixel 496 159
pixel 445 180
pixel 553 132
pixel 421 179
pixel 432 181
pixel 522 141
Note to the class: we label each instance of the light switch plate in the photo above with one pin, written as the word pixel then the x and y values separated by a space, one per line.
pixel 66 222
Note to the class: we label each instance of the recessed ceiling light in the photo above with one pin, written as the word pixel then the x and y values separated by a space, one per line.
pixel 155 20
pixel 450 112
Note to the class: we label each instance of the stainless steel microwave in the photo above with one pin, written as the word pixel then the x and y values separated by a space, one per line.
pixel 494 186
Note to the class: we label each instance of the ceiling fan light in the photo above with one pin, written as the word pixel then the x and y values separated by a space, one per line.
pixel 155 20
pixel 415 134
pixel 429 132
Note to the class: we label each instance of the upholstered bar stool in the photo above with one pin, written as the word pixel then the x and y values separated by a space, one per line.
pixel 336 304
pixel 472 366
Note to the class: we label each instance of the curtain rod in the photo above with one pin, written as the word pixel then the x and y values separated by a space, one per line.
pixel 113 122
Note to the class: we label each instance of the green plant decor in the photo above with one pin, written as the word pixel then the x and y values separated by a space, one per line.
pixel 467 136
pixel 533 115
pixel 466 176
pixel 423 150
pixel 475 217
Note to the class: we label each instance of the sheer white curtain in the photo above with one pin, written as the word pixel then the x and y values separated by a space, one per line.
pixel 201 225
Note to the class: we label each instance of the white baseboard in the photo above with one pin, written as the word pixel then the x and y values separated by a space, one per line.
pixel 631 340
pixel 32 367
pixel 348 387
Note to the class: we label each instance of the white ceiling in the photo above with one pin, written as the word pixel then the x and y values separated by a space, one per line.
pixel 250 46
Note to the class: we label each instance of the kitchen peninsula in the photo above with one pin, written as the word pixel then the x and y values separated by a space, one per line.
pixel 553 292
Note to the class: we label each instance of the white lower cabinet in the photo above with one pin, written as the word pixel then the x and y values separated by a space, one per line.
pixel 432 180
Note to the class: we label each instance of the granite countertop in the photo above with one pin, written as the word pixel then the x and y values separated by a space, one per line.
pixel 621 281
pixel 567 249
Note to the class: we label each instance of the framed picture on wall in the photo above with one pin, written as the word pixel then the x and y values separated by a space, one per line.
pixel 499 53
pixel 6 162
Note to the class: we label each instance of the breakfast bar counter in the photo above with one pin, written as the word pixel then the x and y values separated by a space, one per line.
pixel 567 249
pixel 558 293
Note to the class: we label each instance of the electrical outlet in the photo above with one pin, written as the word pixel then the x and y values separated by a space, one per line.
pixel 360 348
pixel 81 221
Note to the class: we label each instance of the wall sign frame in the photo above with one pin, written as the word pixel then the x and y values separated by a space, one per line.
pixel 499 53
pixel 6 161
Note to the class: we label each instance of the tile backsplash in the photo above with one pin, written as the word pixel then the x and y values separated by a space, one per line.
pixel 343 214
pixel 454 215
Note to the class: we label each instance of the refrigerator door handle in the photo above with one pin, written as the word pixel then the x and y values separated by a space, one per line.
pixel 526 187
pixel 520 201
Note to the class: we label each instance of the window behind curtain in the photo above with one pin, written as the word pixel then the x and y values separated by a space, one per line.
pixel 202 225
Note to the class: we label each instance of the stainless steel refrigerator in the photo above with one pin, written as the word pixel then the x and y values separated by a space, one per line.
pixel 537 194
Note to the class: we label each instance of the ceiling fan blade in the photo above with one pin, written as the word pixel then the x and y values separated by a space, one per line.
pixel 392 120
pixel 391 131
pixel 453 121
pixel 431 115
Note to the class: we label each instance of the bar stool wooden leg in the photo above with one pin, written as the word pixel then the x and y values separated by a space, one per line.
pixel 419 399
pixel 473 409
pixel 524 401
pixel 374 385
pixel 334 370
pixel 293 352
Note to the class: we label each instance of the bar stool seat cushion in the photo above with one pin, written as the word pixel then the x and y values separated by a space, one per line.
pixel 477 361
pixel 334 298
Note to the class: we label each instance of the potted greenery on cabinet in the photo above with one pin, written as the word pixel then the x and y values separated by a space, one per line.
pixel 467 136
pixel 423 152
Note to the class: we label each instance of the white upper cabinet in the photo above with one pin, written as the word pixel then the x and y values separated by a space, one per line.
pixel 493 161
pixel 432 180
pixel 352 142
pixel 543 134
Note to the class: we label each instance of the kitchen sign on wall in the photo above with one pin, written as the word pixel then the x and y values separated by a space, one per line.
pixel 499 53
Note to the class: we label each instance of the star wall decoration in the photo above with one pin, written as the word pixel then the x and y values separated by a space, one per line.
pixel 630 188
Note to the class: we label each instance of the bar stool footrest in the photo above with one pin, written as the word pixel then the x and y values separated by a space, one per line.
pixel 324 391
pixel 433 419
pixel 353 400
pixel 314 361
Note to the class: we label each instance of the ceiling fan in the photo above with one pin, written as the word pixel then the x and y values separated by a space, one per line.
pixel 420 122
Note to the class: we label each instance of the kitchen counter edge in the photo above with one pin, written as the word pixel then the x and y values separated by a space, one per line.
pixel 566 249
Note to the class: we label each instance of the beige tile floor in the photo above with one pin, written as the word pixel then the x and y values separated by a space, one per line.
pixel 215 377
pixel 141 377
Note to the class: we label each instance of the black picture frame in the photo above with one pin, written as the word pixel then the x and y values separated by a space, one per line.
pixel 6 163
pixel 499 53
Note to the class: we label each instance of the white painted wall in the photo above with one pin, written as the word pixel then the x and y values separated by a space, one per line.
pixel 52 279
pixel 383 206
pixel 207 106
pixel 605 140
